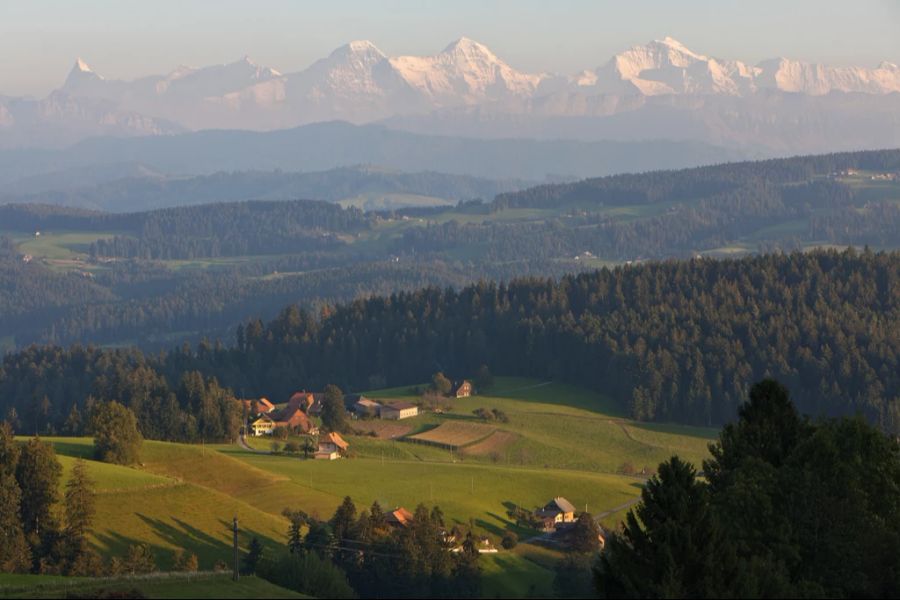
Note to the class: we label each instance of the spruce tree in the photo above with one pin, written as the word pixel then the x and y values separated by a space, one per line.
pixel 15 555
pixel 80 503
pixel 38 473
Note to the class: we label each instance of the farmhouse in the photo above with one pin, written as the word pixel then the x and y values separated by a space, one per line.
pixel 400 517
pixel 558 510
pixel 293 419
pixel 302 400
pixel 332 446
pixel 399 410
pixel 263 425
pixel 461 389
pixel 263 406
pixel 365 407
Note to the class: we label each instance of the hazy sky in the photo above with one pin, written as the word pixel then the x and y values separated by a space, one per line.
pixel 40 40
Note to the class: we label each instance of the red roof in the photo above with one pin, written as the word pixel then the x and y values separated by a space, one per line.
pixel 400 516
pixel 293 417
pixel 262 404
pixel 336 439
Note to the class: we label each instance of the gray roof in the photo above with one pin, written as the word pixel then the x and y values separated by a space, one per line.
pixel 562 504
pixel 401 405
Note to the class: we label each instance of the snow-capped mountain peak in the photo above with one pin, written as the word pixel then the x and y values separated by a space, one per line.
pixel 468 47
pixel 362 49
pixel 82 79
pixel 465 72
pixel 82 66
pixel 359 83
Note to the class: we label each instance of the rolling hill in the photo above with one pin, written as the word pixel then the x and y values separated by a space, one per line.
pixel 184 496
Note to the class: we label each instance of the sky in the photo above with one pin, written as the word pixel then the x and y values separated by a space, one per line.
pixel 126 39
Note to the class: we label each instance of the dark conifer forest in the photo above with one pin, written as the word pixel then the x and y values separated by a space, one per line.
pixel 669 341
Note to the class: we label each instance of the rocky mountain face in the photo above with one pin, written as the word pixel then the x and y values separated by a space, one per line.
pixel 466 86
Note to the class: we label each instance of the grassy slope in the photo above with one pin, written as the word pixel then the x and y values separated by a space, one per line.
pixel 178 585
pixel 560 440
pixel 159 505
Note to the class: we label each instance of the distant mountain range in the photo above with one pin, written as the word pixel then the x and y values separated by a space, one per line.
pixel 367 188
pixel 660 90
pixel 325 146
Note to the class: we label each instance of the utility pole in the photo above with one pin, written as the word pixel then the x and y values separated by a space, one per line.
pixel 237 574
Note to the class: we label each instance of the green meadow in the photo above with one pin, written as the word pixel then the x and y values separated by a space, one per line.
pixel 160 585
pixel 558 440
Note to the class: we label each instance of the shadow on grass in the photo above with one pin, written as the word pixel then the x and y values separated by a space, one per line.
pixel 179 534
pixel 74 449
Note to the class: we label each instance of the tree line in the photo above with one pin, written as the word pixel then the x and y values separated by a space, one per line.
pixel 674 341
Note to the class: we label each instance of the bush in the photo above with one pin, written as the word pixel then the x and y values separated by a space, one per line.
pixel 139 559
pixel 116 436
pixel 307 573
pixel 185 561
pixel 510 540
pixel 440 384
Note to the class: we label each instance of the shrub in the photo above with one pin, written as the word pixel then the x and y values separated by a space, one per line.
pixel 116 436
pixel 307 573
pixel 185 561
pixel 510 540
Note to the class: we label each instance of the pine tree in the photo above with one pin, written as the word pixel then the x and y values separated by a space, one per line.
pixel 73 424
pixel 253 557
pixel 80 503
pixel 38 473
pixel 343 519
pixel 671 545
pixel 15 555
pixel 585 535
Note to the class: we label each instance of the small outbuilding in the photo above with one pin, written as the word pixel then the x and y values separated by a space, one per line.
pixel 399 410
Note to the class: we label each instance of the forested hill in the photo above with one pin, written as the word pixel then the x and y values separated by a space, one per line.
pixel 359 186
pixel 673 341
pixel 699 182
pixel 160 277
pixel 228 229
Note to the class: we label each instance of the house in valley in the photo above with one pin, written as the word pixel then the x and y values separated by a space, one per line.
pixel 294 419
pixel 399 410
pixel 557 511
pixel 263 425
pixel 462 389
pixel 331 446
